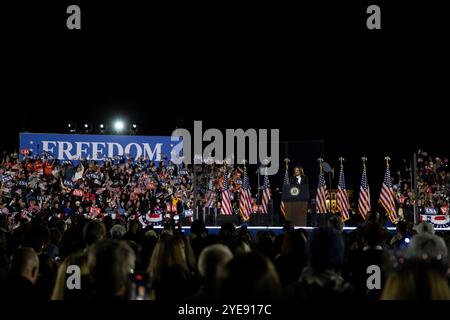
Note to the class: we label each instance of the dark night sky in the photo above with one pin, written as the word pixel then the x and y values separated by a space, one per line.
pixel 314 72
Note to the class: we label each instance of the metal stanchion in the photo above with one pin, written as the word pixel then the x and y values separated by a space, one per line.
pixel 204 214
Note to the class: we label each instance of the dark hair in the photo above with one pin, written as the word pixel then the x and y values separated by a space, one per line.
pixel 373 217
pixel 93 231
pixel 55 236
pixel 301 170
pixel 110 262
pixel 325 249
pixel 37 237
pixel 250 277
pixel 198 227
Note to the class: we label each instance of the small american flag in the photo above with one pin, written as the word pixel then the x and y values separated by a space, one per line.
pixel 364 195
pixel 387 196
pixel 265 195
pixel 245 200
pixel 321 196
pixel 226 208
pixel 285 183
pixel 342 197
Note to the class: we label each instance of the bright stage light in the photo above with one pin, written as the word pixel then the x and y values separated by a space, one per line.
pixel 102 126
pixel 119 125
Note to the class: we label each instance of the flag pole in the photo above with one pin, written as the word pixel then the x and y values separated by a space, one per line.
pixel 320 160
pixel 286 164
pixel 341 160
pixel 364 160
pixel 258 202
pixel 387 161
pixel 414 187
pixel 242 185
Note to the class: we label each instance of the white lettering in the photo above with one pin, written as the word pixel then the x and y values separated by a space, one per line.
pixel 151 154
pixel 111 146
pixel 97 153
pixel 45 146
pixel 138 149
pixel 81 152
pixel 64 148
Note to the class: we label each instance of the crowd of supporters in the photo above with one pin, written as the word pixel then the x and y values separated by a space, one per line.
pixel 121 187
pixel 56 216
pixel 122 260
pixel 433 174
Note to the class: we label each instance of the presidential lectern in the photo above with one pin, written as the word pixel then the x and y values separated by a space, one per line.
pixel 295 198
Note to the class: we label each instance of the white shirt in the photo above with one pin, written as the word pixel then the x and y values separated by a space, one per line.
pixel 299 179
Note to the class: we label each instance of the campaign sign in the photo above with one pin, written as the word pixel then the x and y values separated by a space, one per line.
pixel 99 147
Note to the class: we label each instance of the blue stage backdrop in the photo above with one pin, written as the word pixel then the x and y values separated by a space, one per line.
pixel 98 147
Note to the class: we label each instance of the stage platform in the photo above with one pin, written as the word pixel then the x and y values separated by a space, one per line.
pixel 279 230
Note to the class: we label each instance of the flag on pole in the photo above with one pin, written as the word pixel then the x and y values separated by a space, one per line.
pixel 265 195
pixel 285 183
pixel 342 197
pixel 387 195
pixel 210 199
pixel 321 196
pixel 245 199
pixel 364 193
pixel 226 208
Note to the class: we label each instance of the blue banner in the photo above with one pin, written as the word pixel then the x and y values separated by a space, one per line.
pixel 98 147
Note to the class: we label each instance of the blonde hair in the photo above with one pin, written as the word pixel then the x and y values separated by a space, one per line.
pixel 416 283
pixel 169 252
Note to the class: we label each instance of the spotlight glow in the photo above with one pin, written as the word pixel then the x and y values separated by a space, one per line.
pixel 119 125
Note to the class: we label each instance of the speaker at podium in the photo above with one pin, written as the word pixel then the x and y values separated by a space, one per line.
pixel 295 198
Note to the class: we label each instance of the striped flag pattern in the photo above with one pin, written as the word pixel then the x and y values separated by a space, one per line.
pixel 285 183
pixel 210 199
pixel 321 196
pixel 364 195
pixel 342 197
pixel 226 208
pixel 387 196
pixel 265 195
pixel 245 200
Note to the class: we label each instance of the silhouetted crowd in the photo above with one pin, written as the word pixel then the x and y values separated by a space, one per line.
pixel 114 259
pixel 85 231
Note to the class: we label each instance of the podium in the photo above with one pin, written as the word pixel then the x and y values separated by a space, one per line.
pixel 295 198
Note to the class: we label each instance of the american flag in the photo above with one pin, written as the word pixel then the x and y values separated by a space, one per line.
pixel 342 197
pixel 321 196
pixel 245 200
pixel 387 196
pixel 364 195
pixel 226 208
pixel 285 183
pixel 265 195
pixel 210 199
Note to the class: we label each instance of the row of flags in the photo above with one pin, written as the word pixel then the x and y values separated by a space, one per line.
pixel 245 198
pixel 387 197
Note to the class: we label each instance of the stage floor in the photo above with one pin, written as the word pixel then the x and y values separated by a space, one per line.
pixel 279 230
